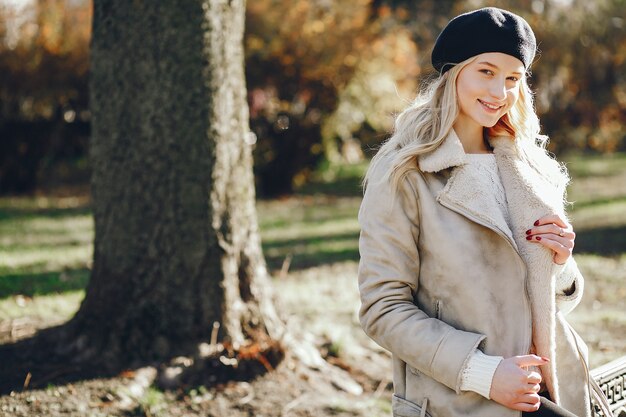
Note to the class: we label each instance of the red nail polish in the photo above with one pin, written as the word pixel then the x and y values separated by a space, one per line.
pixel 538 237
pixel 528 231
pixel 537 223
pixel 529 237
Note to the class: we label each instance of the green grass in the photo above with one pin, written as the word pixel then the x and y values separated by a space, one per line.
pixel 336 180
pixel 584 165
pixel 597 180
pixel 46 250
pixel 52 308
pixel 45 245
pixel 41 283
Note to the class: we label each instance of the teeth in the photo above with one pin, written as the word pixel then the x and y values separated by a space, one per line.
pixel 489 105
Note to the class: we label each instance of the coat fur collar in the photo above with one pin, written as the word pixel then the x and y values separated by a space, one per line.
pixel 449 154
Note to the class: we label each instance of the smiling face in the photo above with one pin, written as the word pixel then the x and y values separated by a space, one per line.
pixel 487 88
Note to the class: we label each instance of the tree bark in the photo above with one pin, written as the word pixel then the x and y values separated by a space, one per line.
pixel 177 244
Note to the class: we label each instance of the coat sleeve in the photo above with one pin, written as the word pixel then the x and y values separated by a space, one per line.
pixel 389 280
pixel 569 286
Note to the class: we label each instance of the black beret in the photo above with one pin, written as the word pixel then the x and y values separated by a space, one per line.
pixel 484 30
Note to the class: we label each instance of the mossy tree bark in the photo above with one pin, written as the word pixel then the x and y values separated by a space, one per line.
pixel 177 244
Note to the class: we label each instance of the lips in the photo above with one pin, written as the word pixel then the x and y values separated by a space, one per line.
pixel 490 106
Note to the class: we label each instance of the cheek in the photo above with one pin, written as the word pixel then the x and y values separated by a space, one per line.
pixel 466 92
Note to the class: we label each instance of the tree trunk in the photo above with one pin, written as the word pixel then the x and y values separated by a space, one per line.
pixel 177 244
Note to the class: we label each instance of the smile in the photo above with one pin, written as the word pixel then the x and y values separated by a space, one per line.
pixel 490 106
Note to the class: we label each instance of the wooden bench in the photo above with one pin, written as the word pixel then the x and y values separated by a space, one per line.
pixel 612 379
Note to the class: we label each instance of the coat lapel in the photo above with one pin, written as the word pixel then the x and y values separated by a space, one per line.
pixel 468 191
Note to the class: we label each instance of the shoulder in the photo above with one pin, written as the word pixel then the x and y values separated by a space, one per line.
pixel 381 175
pixel 380 167
pixel 385 196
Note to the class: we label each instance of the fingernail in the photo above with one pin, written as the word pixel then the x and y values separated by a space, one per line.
pixel 529 237
pixel 528 231
pixel 537 223
pixel 545 359
pixel 538 237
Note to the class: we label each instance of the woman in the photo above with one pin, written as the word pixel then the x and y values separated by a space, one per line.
pixel 466 264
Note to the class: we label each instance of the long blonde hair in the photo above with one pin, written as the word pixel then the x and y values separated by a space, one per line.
pixel 425 124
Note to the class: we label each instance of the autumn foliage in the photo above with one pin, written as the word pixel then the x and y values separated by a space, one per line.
pixel 324 80
pixel 44 115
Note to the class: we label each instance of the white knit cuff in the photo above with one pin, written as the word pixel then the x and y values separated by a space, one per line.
pixel 564 281
pixel 478 373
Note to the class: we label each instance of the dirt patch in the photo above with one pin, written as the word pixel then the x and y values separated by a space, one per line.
pixel 291 390
pixel 327 322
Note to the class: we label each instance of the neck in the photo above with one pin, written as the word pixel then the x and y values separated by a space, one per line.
pixel 471 137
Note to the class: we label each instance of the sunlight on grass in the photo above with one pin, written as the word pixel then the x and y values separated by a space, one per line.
pixel 597 179
pixel 599 215
pixel 309 229
pixel 72 225
pixel 283 213
pixel 45 259
pixel 27 204
pixel 599 317
pixel 36 242
pixel 372 407
pixel 580 165
pixel 333 311
pixel 46 249
pixel 57 307
pixel 40 231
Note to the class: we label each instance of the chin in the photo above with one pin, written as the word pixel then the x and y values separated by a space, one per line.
pixel 487 124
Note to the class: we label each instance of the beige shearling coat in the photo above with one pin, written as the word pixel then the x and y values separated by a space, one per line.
pixel 442 273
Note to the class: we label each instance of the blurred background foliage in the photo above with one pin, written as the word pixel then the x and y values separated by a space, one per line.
pixel 325 79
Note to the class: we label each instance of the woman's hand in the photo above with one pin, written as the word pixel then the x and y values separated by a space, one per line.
pixel 554 233
pixel 515 387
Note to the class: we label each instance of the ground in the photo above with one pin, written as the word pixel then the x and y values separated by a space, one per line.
pixel 293 389
pixel 310 242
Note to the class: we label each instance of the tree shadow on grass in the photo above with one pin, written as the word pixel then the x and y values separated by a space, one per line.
pixel 303 261
pixel 43 283
pixel 311 252
pixel 16 214
pixel 601 241
pixel 319 216
pixel 344 187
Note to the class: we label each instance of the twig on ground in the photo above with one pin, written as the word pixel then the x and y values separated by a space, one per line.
pixel 284 270
pixel 381 388
pixel 292 404
pixel 27 380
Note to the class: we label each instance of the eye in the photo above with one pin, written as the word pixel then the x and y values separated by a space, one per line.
pixel 513 78
pixel 486 71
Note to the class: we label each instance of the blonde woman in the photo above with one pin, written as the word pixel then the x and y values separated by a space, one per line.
pixel 466 270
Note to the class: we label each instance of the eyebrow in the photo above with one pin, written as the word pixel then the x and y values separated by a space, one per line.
pixel 489 64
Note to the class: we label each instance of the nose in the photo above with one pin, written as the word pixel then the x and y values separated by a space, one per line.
pixel 498 89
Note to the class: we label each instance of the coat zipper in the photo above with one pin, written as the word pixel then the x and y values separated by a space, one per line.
pixel 464 213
